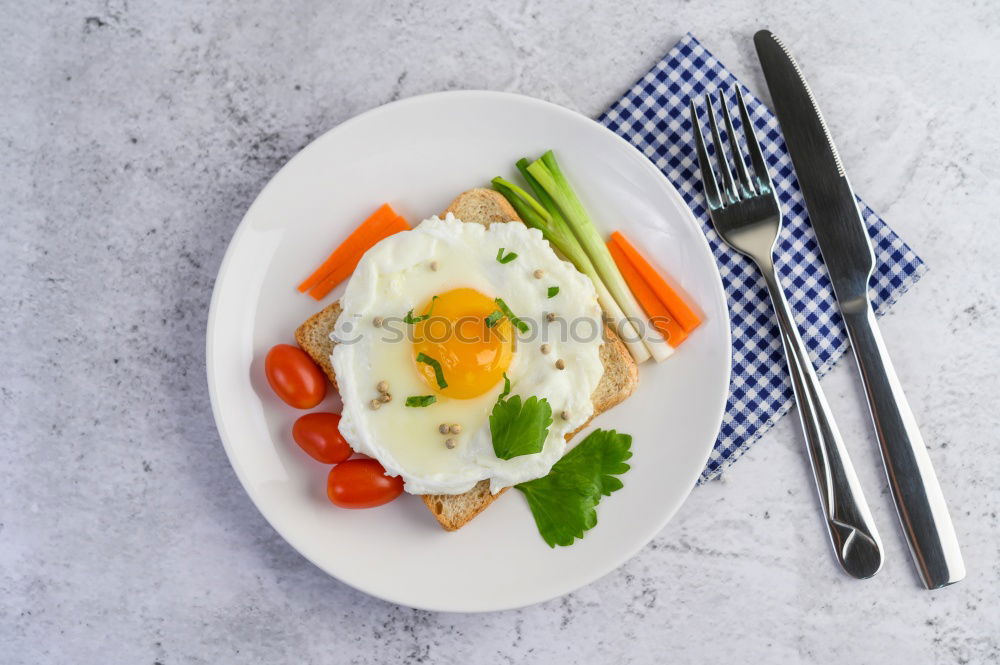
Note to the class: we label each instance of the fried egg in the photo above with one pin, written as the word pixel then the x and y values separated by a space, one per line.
pixel 416 328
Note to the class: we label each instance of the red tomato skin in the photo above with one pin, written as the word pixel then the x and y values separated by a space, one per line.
pixel 361 483
pixel 294 377
pixel 319 435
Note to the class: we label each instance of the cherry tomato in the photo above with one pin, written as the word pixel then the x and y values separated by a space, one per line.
pixel 318 435
pixel 294 377
pixel 361 483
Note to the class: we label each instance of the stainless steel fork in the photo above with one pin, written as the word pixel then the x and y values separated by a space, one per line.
pixel 746 216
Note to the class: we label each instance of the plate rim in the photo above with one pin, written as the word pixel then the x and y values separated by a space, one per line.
pixel 718 293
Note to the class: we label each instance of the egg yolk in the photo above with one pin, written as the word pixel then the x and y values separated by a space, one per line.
pixel 472 356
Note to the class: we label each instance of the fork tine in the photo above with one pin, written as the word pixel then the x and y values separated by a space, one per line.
pixel 746 187
pixel 707 175
pixel 761 175
pixel 720 154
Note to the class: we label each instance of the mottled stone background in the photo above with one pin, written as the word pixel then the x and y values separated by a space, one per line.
pixel 133 136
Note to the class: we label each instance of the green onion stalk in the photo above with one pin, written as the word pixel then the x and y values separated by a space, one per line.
pixel 547 177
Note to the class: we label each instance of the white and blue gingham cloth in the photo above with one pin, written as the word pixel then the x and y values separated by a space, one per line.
pixel 653 116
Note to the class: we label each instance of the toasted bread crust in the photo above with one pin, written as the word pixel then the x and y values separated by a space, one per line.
pixel 453 511
pixel 482 206
pixel 621 374
pixel 313 337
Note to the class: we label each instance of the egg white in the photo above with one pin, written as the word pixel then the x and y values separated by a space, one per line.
pixel 396 276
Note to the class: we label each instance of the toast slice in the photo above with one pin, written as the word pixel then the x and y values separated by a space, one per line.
pixel 453 511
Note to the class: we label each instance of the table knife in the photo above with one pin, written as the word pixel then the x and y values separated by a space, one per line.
pixel 843 241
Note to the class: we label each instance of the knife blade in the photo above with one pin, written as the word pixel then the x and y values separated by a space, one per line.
pixel 847 252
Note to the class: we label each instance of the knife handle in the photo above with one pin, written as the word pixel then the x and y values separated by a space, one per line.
pixel 848 518
pixel 915 489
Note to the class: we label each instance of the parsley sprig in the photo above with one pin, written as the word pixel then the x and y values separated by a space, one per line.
pixel 564 502
pixel 519 428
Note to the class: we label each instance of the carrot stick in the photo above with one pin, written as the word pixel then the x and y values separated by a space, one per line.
pixel 344 269
pixel 347 248
pixel 680 310
pixel 658 314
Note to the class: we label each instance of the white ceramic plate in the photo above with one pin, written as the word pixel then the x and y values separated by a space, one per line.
pixel 418 154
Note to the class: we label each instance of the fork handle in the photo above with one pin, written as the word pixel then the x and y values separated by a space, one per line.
pixel 915 489
pixel 848 518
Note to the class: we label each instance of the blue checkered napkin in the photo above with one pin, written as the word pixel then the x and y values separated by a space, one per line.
pixel 653 116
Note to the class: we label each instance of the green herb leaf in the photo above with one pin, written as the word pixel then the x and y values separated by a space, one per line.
pixel 438 374
pixel 493 319
pixel 519 429
pixel 564 502
pixel 518 323
pixel 553 291
pixel 420 400
pixel 505 259
pixel 506 387
pixel 409 318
